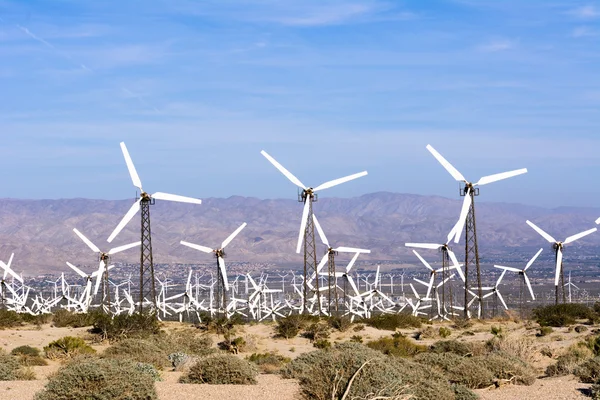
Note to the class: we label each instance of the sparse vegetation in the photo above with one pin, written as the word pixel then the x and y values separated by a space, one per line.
pixel 268 363
pixel 125 326
pixel 67 347
pixel 322 344
pixel 290 326
pixel 398 345
pixel 94 378
pixel 11 370
pixel 138 350
pixel 544 331
pixel 341 324
pixel 444 332
pixel 391 322
pixel 316 332
pixel 221 369
pixel 568 362
pixel 558 315
pixel 28 356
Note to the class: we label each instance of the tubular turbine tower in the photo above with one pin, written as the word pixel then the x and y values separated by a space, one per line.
pixel 147 282
pixel 467 219
pixel 307 196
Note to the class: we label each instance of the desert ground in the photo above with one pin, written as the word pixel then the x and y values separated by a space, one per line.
pixel 261 339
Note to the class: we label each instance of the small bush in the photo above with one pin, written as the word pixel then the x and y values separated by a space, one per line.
pixel 562 314
pixel 28 356
pixel 9 367
pixel 63 318
pixel 322 344
pixel 496 330
pixel 234 346
pixel 356 338
pixel 588 371
pixel 138 350
pixel 67 347
pixel 184 341
pixel 149 369
pixel 221 369
pixel 125 326
pixel 316 331
pixel 544 331
pixel 568 362
pixel 462 323
pixel 9 319
pixel 341 324
pixel 100 379
pixel 456 347
pixel 516 346
pixel 504 366
pixel 358 327
pixel 581 328
pixel 391 322
pixel 268 363
pixel 462 392
pixel 444 332
pixel 178 360
pixel 326 374
pixel 290 326
pixel 397 346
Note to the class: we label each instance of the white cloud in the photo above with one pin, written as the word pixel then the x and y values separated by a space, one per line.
pixel 497 45
pixel 585 12
pixel 584 31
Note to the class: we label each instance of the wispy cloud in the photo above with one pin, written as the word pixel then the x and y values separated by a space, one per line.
pixel 497 45
pixel 584 31
pixel 585 12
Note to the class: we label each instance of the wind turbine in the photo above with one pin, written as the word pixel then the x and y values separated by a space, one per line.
pixel 494 291
pixel 329 258
pixel 569 284
pixel 3 284
pixel 525 280
pixel 306 234
pixel 104 258
pixel 557 246
pixel 147 283
pixel 467 216
pixel 222 282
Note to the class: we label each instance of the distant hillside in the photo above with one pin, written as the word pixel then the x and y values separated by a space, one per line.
pixel 39 231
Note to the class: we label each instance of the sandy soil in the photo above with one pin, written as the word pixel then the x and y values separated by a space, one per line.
pixel 260 339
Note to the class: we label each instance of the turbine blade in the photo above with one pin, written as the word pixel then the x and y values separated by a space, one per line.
pixel 579 235
pixel 559 257
pixel 233 235
pixel 303 224
pixel 132 172
pixel 351 263
pixel 503 175
pixel 456 264
pixel 7 269
pixel 502 300
pixel 541 232
pixel 507 268
pixel 462 219
pixel 223 273
pixel 322 263
pixel 343 249
pixel 430 246
pixel 529 286
pixel 339 181
pixel 284 171
pixel 423 260
pixel 123 248
pixel 128 216
pixel 175 197
pixel 79 272
pixel 530 263
pixel 89 243
pixel 320 230
pixel 99 274
pixel 453 171
pixel 197 247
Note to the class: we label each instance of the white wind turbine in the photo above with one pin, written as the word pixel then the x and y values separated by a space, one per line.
pixel 558 246
pixel 223 283
pixel 469 192
pixel 143 195
pixel 306 233
pixel 494 291
pixel 104 258
pixel 523 271
pixel 5 285
pixel 569 284
pixel 86 296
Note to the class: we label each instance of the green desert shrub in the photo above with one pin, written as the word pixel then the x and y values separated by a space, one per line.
pixel 92 378
pixel 518 346
pixel 221 369
pixel 444 332
pixel 462 392
pixel 290 326
pixel 67 347
pixel 9 367
pixel 268 363
pixel 496 330
pixel 356 338
pixel 63 318
pixel 9 319
pixel 187 341
pixel 316 331
pixel 544 331
pixel 327 374
pixel 138 350
pixel 568 362
pixel 28 356
pixel 150 370
pixel 391 322
pixel 322 344
pixel 125 326
pixel 341 324
pixel 507 367
pixel 558 315
pixel 588 371
pixel 456 347
pixel 398 345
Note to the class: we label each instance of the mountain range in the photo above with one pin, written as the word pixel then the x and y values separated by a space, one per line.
pixel 39 232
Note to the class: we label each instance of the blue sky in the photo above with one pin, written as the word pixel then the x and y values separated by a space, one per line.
pixel 197 88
